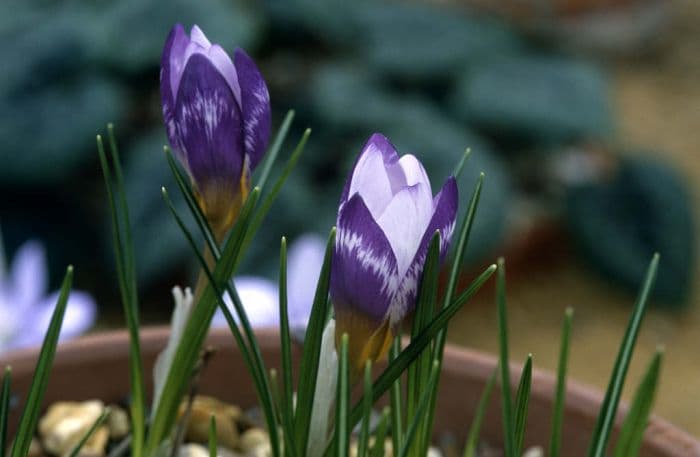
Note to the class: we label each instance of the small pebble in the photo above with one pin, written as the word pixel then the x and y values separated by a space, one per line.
pixel 253 438
pixel 226 415
pixel 534 451
pixel 118 423
pixel 65 423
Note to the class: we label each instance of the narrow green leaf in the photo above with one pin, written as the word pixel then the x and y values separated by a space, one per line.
pixel 606 417
pixel 287 406
pixel 506 401
pixel 632 433
pixel 560 396
pixel 396 396
pixel 5 409
pixel 274 149
pixel 190 199
pixel 252 358
pixel 457 264
pixel 91 431
pixel 422 406
pixel 427 297
pixel 308 369
pixel 522 399
pixel 460 165
pixel 32 407
pixel 126 272
pixel 363 442
pixel 270 198
pixel 196 331
pixel 380 436
pixel 212 437
pixel 342 429
pixel 475 429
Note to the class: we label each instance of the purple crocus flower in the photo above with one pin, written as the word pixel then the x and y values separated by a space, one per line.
pixel 217 116
pixel 386 219
pixel 25 308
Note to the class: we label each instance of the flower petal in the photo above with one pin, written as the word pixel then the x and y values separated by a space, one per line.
pixel 80 315
pixel 304 267
pixel 404 222
pixel 171 66
pixel 364 269
pixel 199 37
pixel 255 106
pixel 28 276
pixel 209 126
pixel 370 178
pixel 443 219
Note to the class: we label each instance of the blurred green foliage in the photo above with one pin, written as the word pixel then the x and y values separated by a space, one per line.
pixel 435 81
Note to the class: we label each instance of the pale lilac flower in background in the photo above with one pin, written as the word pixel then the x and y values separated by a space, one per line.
pixel 26 308
pixel 260 296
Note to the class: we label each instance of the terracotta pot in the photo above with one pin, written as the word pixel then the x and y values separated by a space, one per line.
pixel 96 367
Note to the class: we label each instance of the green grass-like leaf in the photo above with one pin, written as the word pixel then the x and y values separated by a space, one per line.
pixel 457 172
pixel 287 406
pixel 270 197
pixel 412 430
pixel 274 149
pixel 506 400
pixel 91 431
pixel 32 407
pixel 363 441
pixel 522 399
pixel 408 355
pixel 396 396
pixel 606 418
pixel 308 369
pixel 560 395
pixel 212 437
pixel 475 429
pixel 250 353
pixel 630 440
pixel 342 429
pixel 196 330
pixel 380 436
pixel 126 272
pixel 5 409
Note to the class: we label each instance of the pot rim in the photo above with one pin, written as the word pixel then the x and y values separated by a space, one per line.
pixel 581 399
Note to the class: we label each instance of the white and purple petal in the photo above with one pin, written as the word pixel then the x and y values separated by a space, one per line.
pixel 209 125
pixel 364 269
pixel 443 220
pixel 375 162
pixel 255 107
pixel 171 66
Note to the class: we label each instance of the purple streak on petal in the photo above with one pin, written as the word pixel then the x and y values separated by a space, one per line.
pixel 209 125
pixel 171 66
pixel 377 145
pixel 260 300
pixel 255 106
pixel 404 222
pixel 364 272
pixel 443 219
pixel 304 266
pixel 28 276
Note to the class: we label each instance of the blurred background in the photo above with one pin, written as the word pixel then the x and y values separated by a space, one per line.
pixel 584 115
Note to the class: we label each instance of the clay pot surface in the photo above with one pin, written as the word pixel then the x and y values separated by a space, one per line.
pixel 96 366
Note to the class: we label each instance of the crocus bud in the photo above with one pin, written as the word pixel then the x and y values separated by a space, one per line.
pixel 386 219
pixel 217 116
